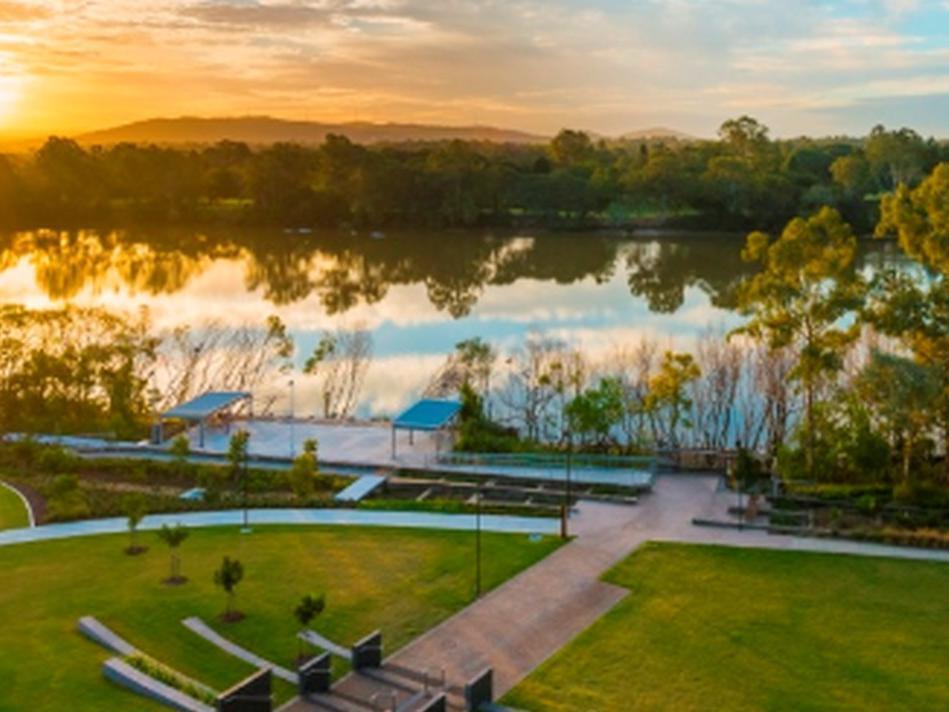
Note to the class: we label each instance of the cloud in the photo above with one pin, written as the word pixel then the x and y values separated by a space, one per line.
pixel 602 65
pixel 19 11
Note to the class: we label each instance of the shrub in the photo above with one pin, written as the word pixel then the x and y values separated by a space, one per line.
pixel 56 460
pixel 65 500
pixel 867 504
pixel 170 677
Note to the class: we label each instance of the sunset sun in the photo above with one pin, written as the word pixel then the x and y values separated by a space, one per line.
pixel 9 95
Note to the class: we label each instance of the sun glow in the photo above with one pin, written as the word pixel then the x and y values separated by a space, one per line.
pixel 9 95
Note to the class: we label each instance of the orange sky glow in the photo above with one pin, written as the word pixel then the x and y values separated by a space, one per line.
pixel 68 66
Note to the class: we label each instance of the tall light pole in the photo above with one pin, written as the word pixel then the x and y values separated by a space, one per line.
pixel 478 543
pixel 565 507
pixel 293 446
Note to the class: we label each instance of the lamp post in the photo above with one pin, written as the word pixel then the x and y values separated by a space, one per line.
pixel 565 507
pixel 246 528
pixel 478 543
pixel 293 446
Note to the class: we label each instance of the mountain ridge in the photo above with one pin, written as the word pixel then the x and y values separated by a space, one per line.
pixel 267 129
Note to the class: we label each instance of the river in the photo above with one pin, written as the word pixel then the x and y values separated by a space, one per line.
pixel 417 293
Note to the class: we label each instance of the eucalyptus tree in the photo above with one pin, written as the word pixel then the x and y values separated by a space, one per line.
pixel 800 300
pixel 915 307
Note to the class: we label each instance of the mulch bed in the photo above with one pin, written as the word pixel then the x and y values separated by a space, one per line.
pixel 36 500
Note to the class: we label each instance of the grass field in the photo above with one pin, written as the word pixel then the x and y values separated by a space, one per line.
pixel 742 629
pixel 398 580
pixel 12 512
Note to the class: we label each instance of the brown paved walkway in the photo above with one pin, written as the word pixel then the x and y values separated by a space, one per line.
pixel 518 625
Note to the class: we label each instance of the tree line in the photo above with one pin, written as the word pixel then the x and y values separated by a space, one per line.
pixel 744 179
pixel 838 374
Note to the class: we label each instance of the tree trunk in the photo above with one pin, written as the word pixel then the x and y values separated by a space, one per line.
pixel 809 420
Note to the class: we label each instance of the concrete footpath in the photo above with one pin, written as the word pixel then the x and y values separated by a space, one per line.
pixel 260 517
pixel 520 624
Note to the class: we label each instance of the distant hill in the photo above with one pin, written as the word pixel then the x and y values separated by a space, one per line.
pixel 266 130
pixel 656 132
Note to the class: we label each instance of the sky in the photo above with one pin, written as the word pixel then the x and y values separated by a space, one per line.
pixel 609 66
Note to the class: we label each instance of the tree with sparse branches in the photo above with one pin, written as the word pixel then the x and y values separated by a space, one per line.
pixel 135 511
pixel 230 573
pixel 309 607
pixel 174 537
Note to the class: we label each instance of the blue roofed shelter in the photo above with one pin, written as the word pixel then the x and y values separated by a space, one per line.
pixel 200 409
pixel 428 414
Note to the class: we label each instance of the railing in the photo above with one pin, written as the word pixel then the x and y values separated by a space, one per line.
pixel 553 460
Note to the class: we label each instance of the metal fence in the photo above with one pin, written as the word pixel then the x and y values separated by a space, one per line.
pixel 553 460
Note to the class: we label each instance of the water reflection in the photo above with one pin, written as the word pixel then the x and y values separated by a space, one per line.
pixel 347 271
pixel 419 293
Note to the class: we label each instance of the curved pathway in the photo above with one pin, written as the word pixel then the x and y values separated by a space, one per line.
pixel 26 503
pixel 348 517
pixel 521 623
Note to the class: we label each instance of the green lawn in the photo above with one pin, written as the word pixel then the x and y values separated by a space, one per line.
pixel 402 581
pixel 746 629
pixel 12 512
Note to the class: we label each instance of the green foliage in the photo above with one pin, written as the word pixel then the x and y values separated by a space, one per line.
pixel 73 370
pixel 920 219
pixel 477 433
pixel 54 459
pixel 170 677
pixel 750 475
pixel 174 537
pixel 667 401
pixel 135 508
pixel 846 446
pixel 806 286
pixel 743 180
pixel 65 499
pixel 917 311
pixel 230 573
pixel 596 411
pixel 304 470
pixel 309 607
pixel 903 395
pixel 180 450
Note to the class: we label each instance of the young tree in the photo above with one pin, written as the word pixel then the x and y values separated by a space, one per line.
pixel 227 577
pixel 180 450
pixel 667 400
pixel 339 363
pixel 237 460
pixel 174 537
pixel 806 286
pixel 309 607
pixel 596 411
pixel 304 470
pixel 135 511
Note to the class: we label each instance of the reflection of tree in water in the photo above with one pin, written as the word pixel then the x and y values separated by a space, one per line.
pixel 283 275
pixel 344 270
pixel 660 272
pixel 561 258
pixel 65 263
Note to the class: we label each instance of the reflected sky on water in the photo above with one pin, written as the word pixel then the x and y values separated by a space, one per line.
pixel 419 293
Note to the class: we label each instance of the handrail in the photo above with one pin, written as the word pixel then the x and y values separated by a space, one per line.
pixel 529 459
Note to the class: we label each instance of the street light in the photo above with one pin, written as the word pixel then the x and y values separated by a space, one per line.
pixel 565 507
pixel 246 528
pixel 478 542
pixel 292 433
